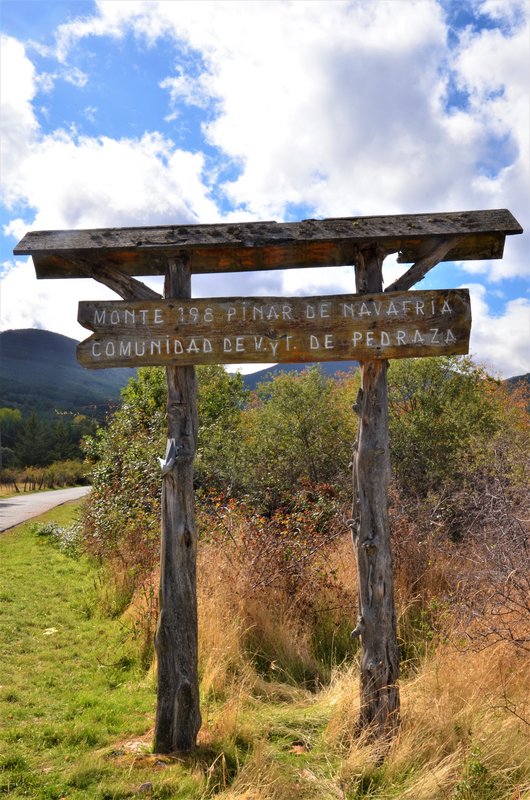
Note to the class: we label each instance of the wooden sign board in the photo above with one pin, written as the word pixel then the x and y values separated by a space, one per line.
pixel 275 329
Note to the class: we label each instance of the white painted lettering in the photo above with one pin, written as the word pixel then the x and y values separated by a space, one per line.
pixel 155 346
pixel 257 312
pixel 391 309
pixel 158 316
pixel 418 338
pixel 143 313
pixel 110 349
pixel 369 338
pixel 193 347
pixel 177 347
pixel 434 338
pixel 231 312
pixel 348 310
pixel 313 342
pixel 227 345
pixel 99 316
pixel 274 346
pixel 364 311
pixel 400 336
pixel 357 336
pixel 273 314
pixel 286 312
pixel 94 353
pixel 325 309
pixel 329 343
pixel 240 344
pixel 114 317
pixel 125 348
pixel 385 338
pixel 206 346
pixel 446 308
pixel 450 338
pixel 258 343
pixel 419 307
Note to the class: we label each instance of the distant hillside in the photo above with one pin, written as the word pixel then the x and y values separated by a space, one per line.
pixel 519 379
pixel 39 370
pixel 328 368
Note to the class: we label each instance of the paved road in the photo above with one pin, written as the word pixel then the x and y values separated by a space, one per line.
pixel 18 509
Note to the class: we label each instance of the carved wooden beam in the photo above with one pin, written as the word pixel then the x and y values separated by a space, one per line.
pixel 249 246
pixel 127 287
pixel 418 270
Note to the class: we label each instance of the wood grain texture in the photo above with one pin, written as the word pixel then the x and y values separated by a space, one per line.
pixel 266 245
pixel 125 286
pixel 178 717
pixel 275 329
pixel 376 623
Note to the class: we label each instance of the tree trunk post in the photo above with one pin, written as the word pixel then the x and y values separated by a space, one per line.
pixel 376 625
pixel 178 717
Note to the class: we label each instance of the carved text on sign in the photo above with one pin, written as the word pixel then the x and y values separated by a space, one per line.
pixel 280 329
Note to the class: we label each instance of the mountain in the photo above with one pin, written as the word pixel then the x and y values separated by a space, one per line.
pixel 517 380
pixel 329 368
pixel 39 370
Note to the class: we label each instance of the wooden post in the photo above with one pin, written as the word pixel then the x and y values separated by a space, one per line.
pixel 376 624
pixel 178 716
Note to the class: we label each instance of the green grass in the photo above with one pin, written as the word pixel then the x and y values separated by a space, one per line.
pixel 72 699
pixel 77 712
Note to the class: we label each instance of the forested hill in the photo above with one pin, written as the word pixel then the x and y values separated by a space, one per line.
pixel 39 370
pixel 328 368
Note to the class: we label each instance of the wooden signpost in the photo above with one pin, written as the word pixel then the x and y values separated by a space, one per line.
pixel 280 329
pixel 369 326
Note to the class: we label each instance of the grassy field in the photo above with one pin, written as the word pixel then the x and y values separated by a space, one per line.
pixel 77 710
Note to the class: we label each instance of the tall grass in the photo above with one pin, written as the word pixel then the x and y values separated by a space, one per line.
pixel 279 712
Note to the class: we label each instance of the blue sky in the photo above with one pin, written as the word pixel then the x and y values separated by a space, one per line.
pixel 143 113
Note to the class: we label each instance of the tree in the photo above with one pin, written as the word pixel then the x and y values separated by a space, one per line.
pixel 298 429
pixel 126 476
pixel 33 442
pixel 10 422
pixel 439 408
pixel 221 399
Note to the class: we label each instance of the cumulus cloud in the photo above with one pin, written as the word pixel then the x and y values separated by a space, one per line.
pixel 500 341
pixel 328 109
pixel 323 109
pixel 26 302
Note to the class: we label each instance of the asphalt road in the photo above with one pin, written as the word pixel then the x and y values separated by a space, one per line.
pixel 20 508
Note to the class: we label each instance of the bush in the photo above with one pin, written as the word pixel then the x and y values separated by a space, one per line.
pixel 68 538
pixel 297 432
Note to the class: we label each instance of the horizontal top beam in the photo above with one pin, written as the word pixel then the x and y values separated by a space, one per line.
pixel 248 246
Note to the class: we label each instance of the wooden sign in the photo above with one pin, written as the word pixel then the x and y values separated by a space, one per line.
pixel 275 329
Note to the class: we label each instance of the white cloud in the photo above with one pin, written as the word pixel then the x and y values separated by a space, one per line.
pixel 340 106
pixel 337 107
pixel 18 125
pixel 500 341
pixel 26 302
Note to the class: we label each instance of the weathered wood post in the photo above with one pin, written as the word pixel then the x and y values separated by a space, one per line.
pixel 376 624
pixel 178 717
